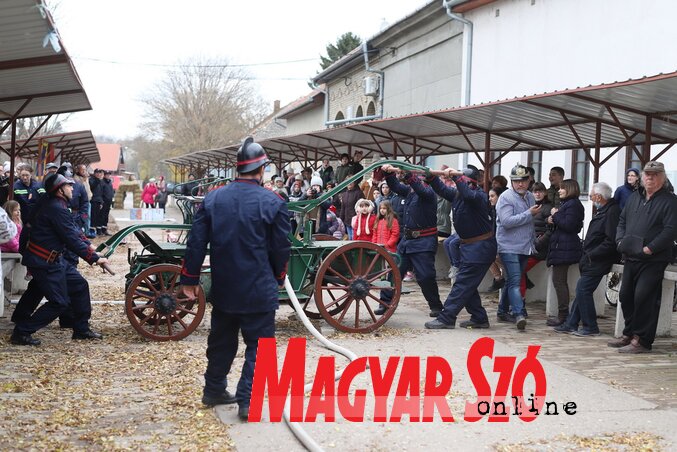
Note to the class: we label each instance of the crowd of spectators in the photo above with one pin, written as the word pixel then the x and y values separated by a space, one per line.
pixel 532 224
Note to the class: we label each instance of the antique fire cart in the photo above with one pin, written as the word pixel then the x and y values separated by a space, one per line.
pixel 336 280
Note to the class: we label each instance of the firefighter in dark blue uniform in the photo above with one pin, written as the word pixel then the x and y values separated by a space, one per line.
pixel 472 221
pixel 246 227
pixel 30 299
pixel 52 231
pixel 419 242
pixel 27 192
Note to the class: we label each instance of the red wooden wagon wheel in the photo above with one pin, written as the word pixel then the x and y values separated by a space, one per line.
pixel 348 284
pixel 156 310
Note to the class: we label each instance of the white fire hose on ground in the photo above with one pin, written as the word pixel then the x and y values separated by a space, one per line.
pixel 295 427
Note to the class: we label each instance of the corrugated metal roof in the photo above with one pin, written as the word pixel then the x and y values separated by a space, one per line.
pixel 553 121
pixel 30 71
pixel 74 147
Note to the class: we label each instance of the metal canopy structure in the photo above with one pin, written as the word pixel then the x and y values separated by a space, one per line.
pixel 635 113
pixel 34 78
pixel 37 77
pixel 73 147
pixel 220 157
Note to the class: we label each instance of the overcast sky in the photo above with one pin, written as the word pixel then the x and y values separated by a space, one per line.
pixel 117 45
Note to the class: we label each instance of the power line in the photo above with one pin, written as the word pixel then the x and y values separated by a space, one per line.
pixel 269 63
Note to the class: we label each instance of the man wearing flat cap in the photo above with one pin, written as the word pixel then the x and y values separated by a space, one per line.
pixel 646 234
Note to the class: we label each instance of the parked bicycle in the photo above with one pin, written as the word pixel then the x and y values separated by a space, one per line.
pixel 613 286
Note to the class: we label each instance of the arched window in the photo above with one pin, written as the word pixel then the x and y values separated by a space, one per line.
pixel 371 109
pixel 339 116
pixel 359 113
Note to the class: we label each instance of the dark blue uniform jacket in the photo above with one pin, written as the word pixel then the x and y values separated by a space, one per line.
pixel 79 204
pixel 96 185
pixel 419 212
pixel 472 217
pixel 27 197
pixel 107 192
pixel 52 229
pixel 246 227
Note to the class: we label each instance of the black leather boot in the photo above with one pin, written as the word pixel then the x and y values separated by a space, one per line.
pixel 24 339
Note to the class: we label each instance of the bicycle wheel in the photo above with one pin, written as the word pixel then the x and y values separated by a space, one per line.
pixel 613 285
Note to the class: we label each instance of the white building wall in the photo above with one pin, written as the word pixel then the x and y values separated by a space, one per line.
pixel 424 82
pixel 308 121
pixel 422 66
pixel 557 44
pixel 524 47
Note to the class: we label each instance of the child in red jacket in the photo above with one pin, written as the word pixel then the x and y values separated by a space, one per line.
pixel 363 222
pixel 386 228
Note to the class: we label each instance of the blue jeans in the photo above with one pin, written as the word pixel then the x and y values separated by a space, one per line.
pixel 349 231
pixel 583 307
pixel 88 221
pixel 452 245
pixel 511 297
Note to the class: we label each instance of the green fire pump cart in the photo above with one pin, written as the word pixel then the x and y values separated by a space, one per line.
pixel 335 280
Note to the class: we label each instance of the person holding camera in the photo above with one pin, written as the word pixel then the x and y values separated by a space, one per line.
pixel 318 215
pixel 515 235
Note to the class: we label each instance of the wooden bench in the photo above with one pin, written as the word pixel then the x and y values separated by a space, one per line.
pixel 667 299
pixel 13 277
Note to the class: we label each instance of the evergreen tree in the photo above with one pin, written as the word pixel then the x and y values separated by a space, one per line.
pixel 344 44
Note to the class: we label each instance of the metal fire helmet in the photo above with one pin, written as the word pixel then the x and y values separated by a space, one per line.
pixel 519 172
pixel 55 181
pixel 251 156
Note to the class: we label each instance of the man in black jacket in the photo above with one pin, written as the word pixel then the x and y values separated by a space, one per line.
pixel 107 195
pixel 326 172
pixel 599 254
pixel 646 233
pixel 96 185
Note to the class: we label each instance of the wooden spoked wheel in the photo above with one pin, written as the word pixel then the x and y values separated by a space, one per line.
pixel 348 286
pixel 155 308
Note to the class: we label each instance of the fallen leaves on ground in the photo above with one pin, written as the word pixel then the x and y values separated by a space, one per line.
pixel 628 442
pixel 121 393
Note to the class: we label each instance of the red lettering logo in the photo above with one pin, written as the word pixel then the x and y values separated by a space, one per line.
pixel 329 391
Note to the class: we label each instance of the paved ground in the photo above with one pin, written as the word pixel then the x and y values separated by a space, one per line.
pixel 624 402
pixel 631 396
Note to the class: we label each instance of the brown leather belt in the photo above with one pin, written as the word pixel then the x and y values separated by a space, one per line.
pixel 478 238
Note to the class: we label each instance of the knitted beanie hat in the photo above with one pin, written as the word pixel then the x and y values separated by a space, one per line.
pixel 316 180
pixel 359 216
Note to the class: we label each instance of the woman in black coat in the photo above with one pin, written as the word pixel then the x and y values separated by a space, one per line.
pixel 543 232
pixel 565 244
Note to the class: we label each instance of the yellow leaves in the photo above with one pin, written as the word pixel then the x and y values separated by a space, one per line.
pixel 631 441
pixel 11 387
pixel 122 393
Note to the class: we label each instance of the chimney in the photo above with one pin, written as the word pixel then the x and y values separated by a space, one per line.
pixel 276 106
